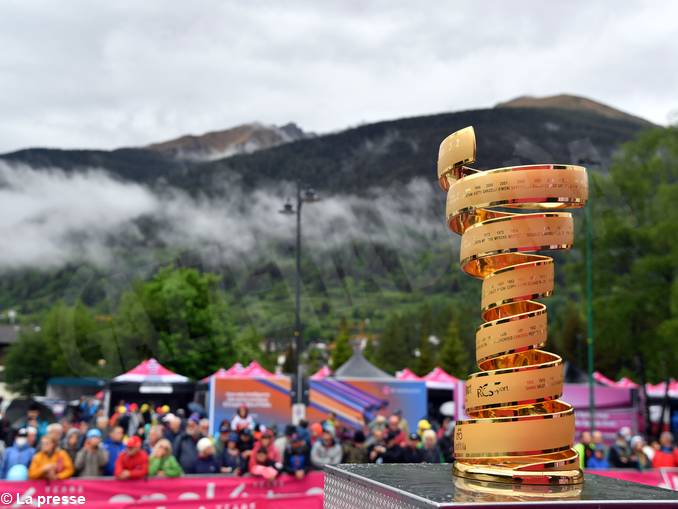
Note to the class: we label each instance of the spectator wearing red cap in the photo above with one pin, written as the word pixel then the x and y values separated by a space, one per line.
pixel 132 463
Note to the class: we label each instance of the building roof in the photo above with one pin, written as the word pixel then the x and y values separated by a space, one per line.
pixel 8 334
pixel 359 367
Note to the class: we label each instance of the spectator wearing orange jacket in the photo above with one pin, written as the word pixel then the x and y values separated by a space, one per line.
pixel 132 463
pixel 50 462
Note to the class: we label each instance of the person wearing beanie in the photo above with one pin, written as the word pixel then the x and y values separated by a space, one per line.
pixel 221 439
pixel 71 442
pixel 297 459
pixel 132 463
pixel 21 453
pixel 422 426
pixel 598 460
pixel 206 462
pixel 355 450
pixel 230 459
pixel 92 458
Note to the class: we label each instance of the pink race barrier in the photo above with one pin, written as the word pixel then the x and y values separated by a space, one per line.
pixel 208 492
pixel 659 477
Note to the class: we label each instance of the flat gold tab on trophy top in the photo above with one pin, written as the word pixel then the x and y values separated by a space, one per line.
pixel 458 149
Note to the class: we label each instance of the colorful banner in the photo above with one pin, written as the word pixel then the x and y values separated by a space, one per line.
pixel 208 492
pixel 356 402
pixel 659 477
pixel 268 400
pixel 577 395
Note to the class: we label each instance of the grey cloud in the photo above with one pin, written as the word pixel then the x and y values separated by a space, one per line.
pixel 83 74
pixel 49 218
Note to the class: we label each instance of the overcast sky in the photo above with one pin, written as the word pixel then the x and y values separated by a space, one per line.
pixel 118 73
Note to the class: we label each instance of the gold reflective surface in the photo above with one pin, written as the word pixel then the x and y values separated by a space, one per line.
pixel 519 430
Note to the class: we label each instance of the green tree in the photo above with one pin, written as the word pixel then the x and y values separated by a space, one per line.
pixel 392 352
pixel 247 346
pixel 181 318
pixel 342 350
pixel 454 357
pixel 636 258
pixel 69 342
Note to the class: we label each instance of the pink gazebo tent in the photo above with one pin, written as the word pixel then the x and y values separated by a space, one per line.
pixel 219 373
pixel 407 374
pixel 658 390
pixel 252 370
pixel 255 370
pixel 150 381
pixel 322 373
pixel 150 371
pixel 602 379
pixel 235 370
pixel 438 378
pixel 627 383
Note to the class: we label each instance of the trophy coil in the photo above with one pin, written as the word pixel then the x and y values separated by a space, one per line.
pixel 519 430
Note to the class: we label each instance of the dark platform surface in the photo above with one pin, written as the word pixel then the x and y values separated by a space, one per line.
pixel 426 485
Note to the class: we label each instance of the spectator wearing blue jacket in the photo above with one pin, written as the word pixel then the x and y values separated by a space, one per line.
pixel 114 446
pixel 598 460
pixel 19 454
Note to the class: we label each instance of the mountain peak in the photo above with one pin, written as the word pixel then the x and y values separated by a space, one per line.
pixel 569 102
pixel 242 139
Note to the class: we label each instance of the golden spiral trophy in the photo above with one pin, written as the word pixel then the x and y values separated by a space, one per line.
pixel 519 431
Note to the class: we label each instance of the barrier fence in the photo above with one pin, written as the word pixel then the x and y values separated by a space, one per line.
pixel 182 493
pixel 217 492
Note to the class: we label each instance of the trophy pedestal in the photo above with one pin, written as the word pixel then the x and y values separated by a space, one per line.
pixel 411 486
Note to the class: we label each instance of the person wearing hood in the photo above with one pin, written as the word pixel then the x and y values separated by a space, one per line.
pixel 72 442
pixel 21 453
pixel 92 458
pixel 242 419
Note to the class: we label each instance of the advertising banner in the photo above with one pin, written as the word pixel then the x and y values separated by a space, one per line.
pixel 268 400
pixel 357 401
pixel 184 492
pixel 659 477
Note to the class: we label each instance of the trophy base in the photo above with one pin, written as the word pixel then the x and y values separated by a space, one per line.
pixel 513 475
pixel 426 486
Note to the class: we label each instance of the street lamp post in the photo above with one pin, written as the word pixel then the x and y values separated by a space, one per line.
pixel 308 196
pixel 590 344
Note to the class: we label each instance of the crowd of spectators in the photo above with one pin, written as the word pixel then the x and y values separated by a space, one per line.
pixel 627 451
pixel 142 441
